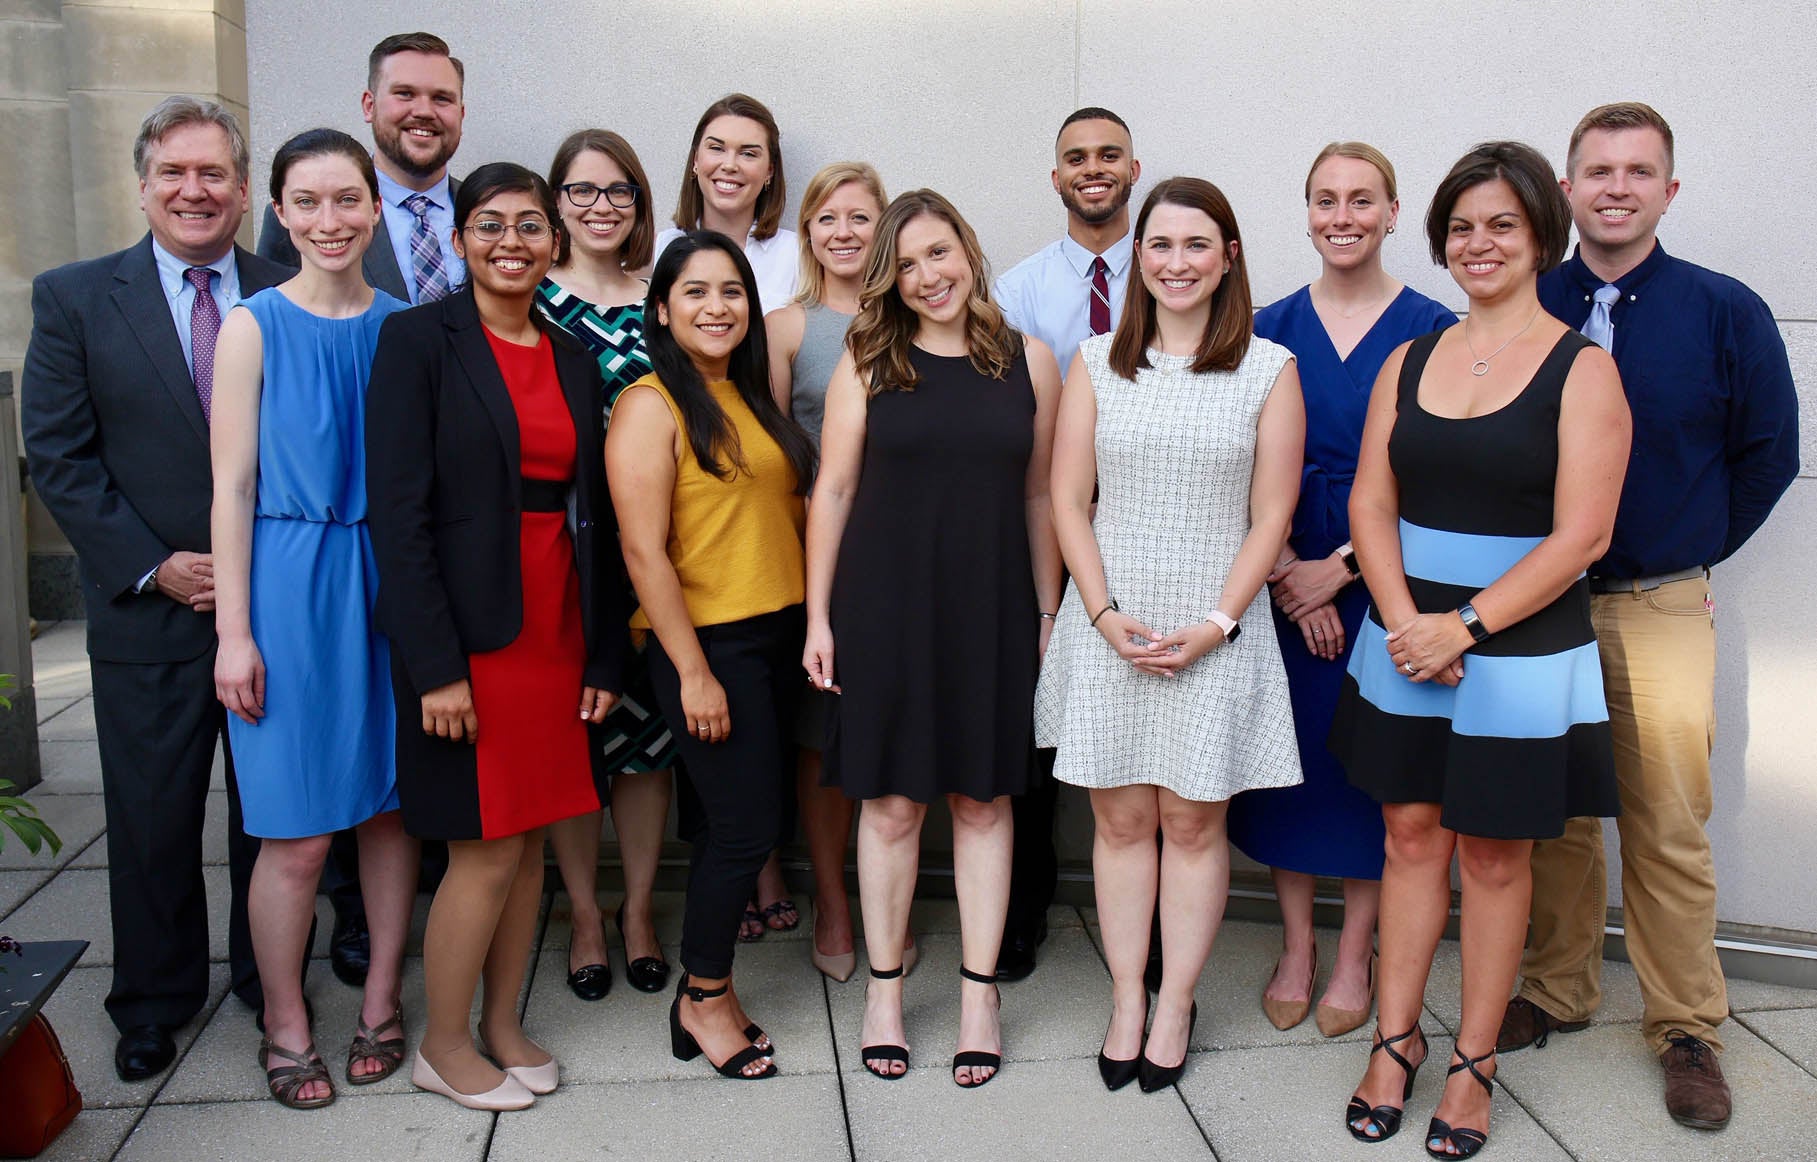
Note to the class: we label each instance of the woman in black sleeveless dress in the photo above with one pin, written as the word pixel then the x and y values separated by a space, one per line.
pixel 932 564
pixel 1492 461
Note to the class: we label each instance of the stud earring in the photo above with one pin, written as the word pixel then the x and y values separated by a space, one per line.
pixel 1391 229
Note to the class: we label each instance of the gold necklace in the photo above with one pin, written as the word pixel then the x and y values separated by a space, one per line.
pixel 1481 366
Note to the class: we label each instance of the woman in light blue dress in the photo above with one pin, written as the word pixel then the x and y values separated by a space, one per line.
pixel 303 674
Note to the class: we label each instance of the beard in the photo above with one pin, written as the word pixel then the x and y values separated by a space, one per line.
pixel 390 142
pixel 1096 215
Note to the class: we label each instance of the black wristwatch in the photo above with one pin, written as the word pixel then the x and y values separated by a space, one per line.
pixel 1348 556
pixel 1473 623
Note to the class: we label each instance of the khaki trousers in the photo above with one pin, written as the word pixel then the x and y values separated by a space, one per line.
pixel 1659 672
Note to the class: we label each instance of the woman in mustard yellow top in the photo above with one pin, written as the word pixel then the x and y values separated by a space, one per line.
pixel 707 476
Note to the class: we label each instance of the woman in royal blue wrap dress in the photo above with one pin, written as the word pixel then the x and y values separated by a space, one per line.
pixel 1340 328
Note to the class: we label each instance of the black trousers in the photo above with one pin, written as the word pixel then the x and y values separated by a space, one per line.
pixel 1035 865
pixel 157 725
pixel 742 783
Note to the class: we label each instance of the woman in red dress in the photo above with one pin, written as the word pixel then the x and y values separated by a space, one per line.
pixel 492 529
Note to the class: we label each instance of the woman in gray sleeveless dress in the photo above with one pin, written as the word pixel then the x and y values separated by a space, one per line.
pixel 839 213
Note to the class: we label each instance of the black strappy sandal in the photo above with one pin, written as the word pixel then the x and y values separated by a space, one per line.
pixel 1463 1141
pixel 870 1053
pixel 686 1048
pixel 1359 1118
pixel 977 1058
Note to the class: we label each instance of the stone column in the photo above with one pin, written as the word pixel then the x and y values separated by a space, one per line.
pixel 76 78
pixel 18 726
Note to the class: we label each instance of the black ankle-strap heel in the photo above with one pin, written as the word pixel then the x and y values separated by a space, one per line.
pixel 976 1058
pixel 1463 1141
pixel 885 1053
pixel 1359 1118
pixel 686 1047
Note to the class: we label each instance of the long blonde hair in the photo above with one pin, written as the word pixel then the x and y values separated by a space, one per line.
pixel 822 186
pixel 885 328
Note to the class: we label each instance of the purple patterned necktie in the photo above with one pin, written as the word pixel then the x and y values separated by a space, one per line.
pixel 426 266
pixel 1100 296
pixel 204 326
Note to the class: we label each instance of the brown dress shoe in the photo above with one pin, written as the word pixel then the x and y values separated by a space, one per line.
pixel 1525 1023
pixel 1697 1095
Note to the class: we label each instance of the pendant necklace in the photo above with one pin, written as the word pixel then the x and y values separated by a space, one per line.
pixel 1481 366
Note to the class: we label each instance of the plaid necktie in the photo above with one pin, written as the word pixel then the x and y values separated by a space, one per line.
pixel 204 326
pixel 1100 296
pixel 426 268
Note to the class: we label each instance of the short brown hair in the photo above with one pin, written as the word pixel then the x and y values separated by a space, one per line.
pixel 822 186
pixel 1534 183
pixel 1619 115
pixel 640 242
pixel 172 113
pixel 1359 151
pixel 424 42
pixel 770 200
pixel 1232 319
pixel 881 335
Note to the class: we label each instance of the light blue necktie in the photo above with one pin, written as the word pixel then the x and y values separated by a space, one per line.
pixel 1600 327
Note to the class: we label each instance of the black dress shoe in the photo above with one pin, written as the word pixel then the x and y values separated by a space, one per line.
pixel 1016 959
pixel 144 1051
pixel 591 982
pixel 647 974
pixel 350 949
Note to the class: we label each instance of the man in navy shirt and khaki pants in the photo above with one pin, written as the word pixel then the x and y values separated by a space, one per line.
pixel 1715 445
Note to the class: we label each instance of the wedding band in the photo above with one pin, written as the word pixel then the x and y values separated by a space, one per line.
pixel 705 729
pixel 1411 672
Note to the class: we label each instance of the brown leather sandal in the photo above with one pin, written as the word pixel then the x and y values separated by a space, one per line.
pixel 286 1081
pixel 369 1046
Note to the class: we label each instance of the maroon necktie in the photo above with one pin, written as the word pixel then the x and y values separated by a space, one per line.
pixel 1100 296
pixel 204 326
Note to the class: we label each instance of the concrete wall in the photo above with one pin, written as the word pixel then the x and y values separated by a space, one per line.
pixel 966 97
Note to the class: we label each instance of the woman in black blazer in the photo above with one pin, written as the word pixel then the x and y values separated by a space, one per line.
pixel 493 533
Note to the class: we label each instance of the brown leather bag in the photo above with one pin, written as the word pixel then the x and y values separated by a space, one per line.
pixel 38 1094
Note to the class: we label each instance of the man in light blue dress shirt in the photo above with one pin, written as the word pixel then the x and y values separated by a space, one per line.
pixel 415 105
pixel 1050 293
pixel 1061 294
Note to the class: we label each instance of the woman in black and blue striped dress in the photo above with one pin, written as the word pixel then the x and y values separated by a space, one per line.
pixel 593 293
pixel 1491 464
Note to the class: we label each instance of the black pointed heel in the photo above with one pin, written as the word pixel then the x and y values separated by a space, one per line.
pixel 686 1048
pixel 1359 1118
pixel 1463 1141
pixel 647 974
pixel 1153 1077
pixel 870 1053
pixel 977 1058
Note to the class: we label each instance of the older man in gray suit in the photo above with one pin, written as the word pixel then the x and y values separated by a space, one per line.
pixel 118 380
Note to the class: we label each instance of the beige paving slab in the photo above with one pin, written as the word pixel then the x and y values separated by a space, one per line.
pixel 89 1036
pixel 1791 1031
pixel 214 837
pixel 1230 991
pixel 70 766
pixel 77 820
pixel 51 704
pixel 17 886
pixel 77 721
pixel 74 906
pixel 668 906
pixel 1030 1110
pixel 94 1135
pixel 1286 1103
pixel 1602 1094
pixel 1057 1013
pixel 418 1125
pixel 60 641
pixel 791 1117
pixel 625 1036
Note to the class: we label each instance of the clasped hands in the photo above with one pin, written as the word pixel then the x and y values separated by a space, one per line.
pixel 1153 652
pixel 1429 647
pixel 1303 592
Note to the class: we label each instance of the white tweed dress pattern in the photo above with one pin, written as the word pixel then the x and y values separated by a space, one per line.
pixel 1175 451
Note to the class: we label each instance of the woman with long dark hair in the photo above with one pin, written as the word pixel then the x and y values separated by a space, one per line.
pixel 934 571
pixel 707 476
pixel 506 614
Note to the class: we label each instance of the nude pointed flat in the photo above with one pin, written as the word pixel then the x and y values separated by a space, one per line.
pixel 1286 1014
pixel 509 1094
pixel 1335 1022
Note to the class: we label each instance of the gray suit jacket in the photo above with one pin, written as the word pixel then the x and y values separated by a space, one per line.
pixel 118 445
pixel 379 266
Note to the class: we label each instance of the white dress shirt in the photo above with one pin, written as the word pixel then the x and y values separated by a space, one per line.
pixel 775 260
pixel 1048 294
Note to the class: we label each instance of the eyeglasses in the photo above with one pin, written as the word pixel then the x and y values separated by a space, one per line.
pixel 529 230
pixel 584 194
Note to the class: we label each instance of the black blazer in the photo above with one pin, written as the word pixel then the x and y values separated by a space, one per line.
pixel 444 492
pixel 117 443
pixel 379 265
